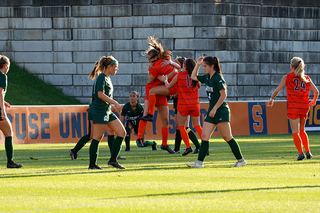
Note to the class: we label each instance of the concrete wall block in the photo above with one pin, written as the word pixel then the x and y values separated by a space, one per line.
pixel 249 56
pixel 143 21
pixel 82 80
pixel 186 54
pixel 229 68
pixel 68 68
pixel 56 11
pixel 121 93
pixel 94 45
pixel 243 21
pixel 35 23
pixel 268 68
pixel 101 34
pixel 275 80
pixel 133 68
pixel 101 22
pixel 224 56
pixel 73 91
pixel 62 57
pixel 262 80
pixel 102 10
pixel 251 91
pixel 6 12
pixel 210 32
pixel 84 68
pixel 4 35
pixel 25 12
pixel 246 80
pixel 100 2
pixel 4 23
pixel 121 79
pixel 87 91
pixel 122 56
pixel 143 33
pixel 41 46
pixel 250 10
pixel 266 91
pixel 140 80
pixel 15 23
pixel 27 34
pixel 162 9
pixel 39 68
pixel 58 80
pixel 138 56
pixel 130 45
pixel 230 79
pixel 89 57
pixel 300 46
pixel 248 68
pixel 276 45
pixel 184 20
pixel 179 32
pixel 234 91
pixel 249 45
pixel 314 46
pixel 198 44
pixel 61 22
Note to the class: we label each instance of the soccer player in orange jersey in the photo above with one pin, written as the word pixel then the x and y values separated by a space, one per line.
pixel 188 101
pixel 298 87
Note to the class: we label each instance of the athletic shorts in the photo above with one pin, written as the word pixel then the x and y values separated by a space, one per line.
pixel 103 118
pixel 222 115
pixel 135 126
pixel 160 99
pixel 193 113
pixel 296 116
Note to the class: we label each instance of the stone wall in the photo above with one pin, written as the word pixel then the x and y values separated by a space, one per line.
pixel 59 40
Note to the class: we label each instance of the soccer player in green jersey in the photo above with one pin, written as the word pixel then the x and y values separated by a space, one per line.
pixel 102 116
pixel 134 111
pixel 5 125
pixel 218 112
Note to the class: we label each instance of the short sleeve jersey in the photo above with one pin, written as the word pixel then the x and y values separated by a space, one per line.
pixel 157 70
pixel 297 94
pixel 3 82
pixel 213 87
pixel 131 114
pixel 188 96
pixel 102 83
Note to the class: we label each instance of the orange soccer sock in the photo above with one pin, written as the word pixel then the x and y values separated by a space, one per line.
pixel 184 136
pixel 142 128
pixel 152 103
pixel 165 136
pixel 199 130
pixel 305 140
pixel 297 142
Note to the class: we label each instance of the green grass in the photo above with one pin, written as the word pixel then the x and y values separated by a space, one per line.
pixel 155 181
pixel 27 89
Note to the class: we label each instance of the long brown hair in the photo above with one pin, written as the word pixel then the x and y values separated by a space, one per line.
pixel 101 64
pixel 212 60
pixel 190 64
pixel 156 49
pixel 298 65
pixel 138 96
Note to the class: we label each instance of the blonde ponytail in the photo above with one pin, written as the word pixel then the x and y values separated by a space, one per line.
pixel 298 65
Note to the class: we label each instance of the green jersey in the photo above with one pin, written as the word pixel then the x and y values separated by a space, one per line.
pixel 3 82
pixel 213 87
pixel 132 115
pixel 102 83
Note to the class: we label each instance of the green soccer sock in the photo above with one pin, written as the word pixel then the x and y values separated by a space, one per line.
pixel 110 142
pixel 8 144
pixel 204 149
pixel 193 137
pixel 177 140
pixel 235 148
pixel 116 147
pixel 81 143
pixel 148 143
pixel 93 151
pixel 127 138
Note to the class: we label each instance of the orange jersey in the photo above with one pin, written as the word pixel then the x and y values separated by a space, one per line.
pixel 297 94
pixel 157 70
pixel 188 96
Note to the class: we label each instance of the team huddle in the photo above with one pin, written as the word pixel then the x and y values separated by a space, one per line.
pixel 180 80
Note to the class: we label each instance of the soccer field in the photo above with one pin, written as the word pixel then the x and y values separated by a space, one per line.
pixel 156 181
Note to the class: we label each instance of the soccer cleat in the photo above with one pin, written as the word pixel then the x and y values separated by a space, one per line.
pixel 188 150
pixel 115 164
pixel 127 150
pixel 73 155
pixel 95 166
pixel 240 164
pixel 309 155
pixel 177 152
pixel 139 143
pixel 196 151
pixel 167 148
pixel 301 157
pixel 195 165
pixel 12 164
pixel 120 158
pixel 154 146
pixel 148 117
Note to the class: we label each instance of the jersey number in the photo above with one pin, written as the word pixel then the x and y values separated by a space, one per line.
pixel 301 84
